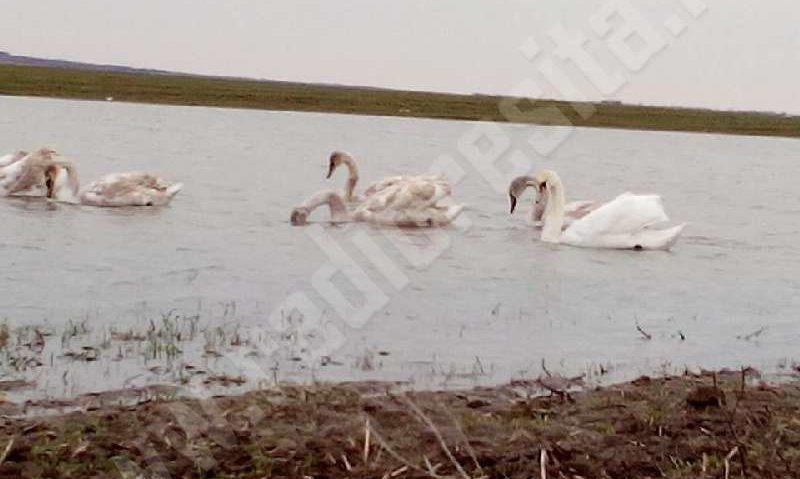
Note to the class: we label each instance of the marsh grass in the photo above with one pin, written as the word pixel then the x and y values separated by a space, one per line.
pixel 272 95
pixel 644 428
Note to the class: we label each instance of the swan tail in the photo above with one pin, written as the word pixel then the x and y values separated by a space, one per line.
pixel 453 212
pixel 661 239
pixel 174 189
pixel 673 234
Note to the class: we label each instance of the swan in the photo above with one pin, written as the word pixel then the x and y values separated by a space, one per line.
pixel 10 158
pixel 117 189
pixel 339 158
pixel 428 216
pixel 626 222
pixel 572 211
pixel 23 174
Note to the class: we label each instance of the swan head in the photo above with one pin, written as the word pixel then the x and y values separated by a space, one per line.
pixel 46 152
pixel 299 216
pixel 544 180
pixel 43 154
pixel 517 187
pixel 336 159
pixel 335 203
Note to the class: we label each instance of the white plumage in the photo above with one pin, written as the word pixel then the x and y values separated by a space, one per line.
pixel 627 222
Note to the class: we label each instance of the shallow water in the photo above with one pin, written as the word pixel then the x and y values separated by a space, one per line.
pixel 480 302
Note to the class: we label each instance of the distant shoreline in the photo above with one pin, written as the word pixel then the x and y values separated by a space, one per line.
pixel 190 90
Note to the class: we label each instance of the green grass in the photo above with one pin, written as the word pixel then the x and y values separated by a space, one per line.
pixel 269 95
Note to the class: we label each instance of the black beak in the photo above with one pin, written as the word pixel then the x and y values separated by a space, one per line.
pixel 331 167
pixel 513 203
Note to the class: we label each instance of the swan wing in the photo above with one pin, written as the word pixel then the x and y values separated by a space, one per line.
pixel 9 178
pixel 424 194
pixel 420 194
pixel 382 199
pixel 11 158
pixel 6 160
pixel 576 210
pixel 412 218
pixel 406 195
pixel 580 208
pixel 381 185
pixel 23 174
pixel 625 215
pixel 130 189
pixel 391 181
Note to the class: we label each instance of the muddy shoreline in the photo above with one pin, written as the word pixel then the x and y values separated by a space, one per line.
pixel 721 424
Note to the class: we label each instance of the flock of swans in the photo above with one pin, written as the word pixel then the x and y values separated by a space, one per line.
pixel 47 173
pixel 627 222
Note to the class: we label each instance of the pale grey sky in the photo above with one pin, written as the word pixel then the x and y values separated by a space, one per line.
pixel 738 54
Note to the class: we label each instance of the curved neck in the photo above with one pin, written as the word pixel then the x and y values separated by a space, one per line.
pixel 539 201
pixel 334 201
pixel 539 205
pixel 554 210
pixel 352 177
pixel 67 186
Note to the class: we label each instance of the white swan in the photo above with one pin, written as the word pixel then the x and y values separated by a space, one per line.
pixel 23 174
pixel 626 222
pixel 339 158
pixel 429 216
pixel 572 211
pixel 118 189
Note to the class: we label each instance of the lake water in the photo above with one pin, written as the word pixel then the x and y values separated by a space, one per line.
pixel 477 303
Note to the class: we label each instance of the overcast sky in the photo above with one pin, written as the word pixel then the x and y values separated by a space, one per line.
pixel 738 54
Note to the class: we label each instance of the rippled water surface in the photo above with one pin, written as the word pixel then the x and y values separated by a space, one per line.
pixel 478 303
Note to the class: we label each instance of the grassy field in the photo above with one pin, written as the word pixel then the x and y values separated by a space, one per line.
pixel 235 93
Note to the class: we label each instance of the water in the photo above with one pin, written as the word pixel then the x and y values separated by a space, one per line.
pixel 489 305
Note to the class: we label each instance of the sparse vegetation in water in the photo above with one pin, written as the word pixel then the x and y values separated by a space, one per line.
pixel 713 425
pixel 171 349
pixel 4 335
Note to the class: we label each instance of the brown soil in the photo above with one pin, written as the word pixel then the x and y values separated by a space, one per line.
pixel 709 426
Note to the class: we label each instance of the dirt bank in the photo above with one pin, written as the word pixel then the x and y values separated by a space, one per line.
pixel 691 426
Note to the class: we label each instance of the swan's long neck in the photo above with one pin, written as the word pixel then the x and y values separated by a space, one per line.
pixel 554 210
pixel 352 177
pixel 67 185
pixel 539 202
pixel 334 201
